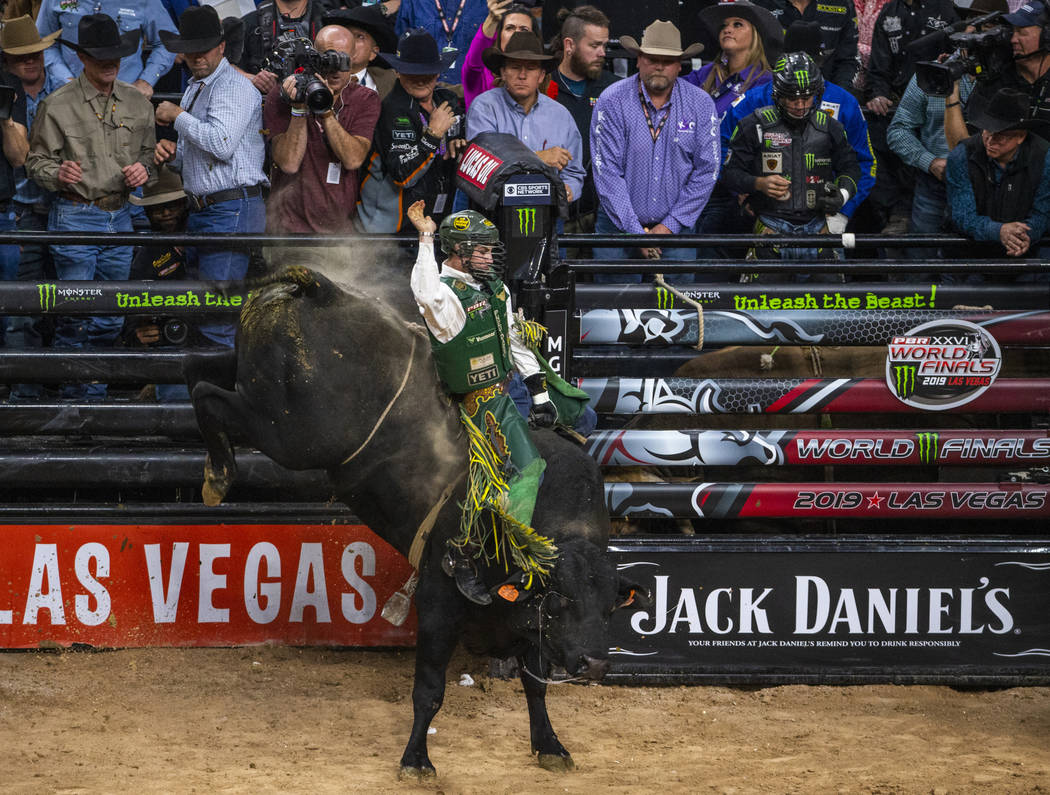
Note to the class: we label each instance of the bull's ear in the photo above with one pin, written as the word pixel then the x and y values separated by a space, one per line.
pixel 630 592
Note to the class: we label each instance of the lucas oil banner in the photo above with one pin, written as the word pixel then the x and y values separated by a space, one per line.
pixel 821 608
pixel 207 585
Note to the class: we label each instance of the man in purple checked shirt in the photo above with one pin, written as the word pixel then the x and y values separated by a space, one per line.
pixel 656 150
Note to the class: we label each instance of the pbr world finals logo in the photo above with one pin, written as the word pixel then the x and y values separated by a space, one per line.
pixel 942 364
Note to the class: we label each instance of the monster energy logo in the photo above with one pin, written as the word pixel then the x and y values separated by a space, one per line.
pixel 770 114
pixel 48 294
pixel 811 160
pixel 928 447
pixel 664 298
pixel 802 78
pixel 526 220
pixel 905 379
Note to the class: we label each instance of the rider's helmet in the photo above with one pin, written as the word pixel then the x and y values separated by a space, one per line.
pixel 463 233
pixel 797 76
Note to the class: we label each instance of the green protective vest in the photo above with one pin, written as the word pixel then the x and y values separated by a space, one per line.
pixel 479 355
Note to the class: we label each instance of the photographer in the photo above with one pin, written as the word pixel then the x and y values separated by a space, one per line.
pixel 320 129
pixel 166 207
pixel 1031 63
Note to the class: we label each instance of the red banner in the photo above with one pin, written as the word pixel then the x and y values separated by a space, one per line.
pixel 198 585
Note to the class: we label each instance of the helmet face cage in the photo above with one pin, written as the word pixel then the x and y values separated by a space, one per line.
pixel 461 233
pixel 797 76
pixel 483 271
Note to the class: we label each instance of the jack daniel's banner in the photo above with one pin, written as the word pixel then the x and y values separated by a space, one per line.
pixel 827 608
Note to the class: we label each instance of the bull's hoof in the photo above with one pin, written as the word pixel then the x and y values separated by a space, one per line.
pixel 556 763
pixel 407 773
pixel 216 484
pixel 211 495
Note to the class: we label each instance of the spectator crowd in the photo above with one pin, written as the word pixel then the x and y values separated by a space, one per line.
pixel 308 117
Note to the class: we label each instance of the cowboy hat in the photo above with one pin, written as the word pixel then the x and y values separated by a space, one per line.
pixel 367 18
pixel 200 30
pixel 660 38
pixel 19 36
pixel 167 188
pixel 99 38
pixel 417 54
pixel 764 23
pixel 1006 110
pixel 522 46
pixel 978 8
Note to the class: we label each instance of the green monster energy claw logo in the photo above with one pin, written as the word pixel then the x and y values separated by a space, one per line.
pixel 811 160
pixel 928 447
pixel 527 220
pixel 770 114
pixel 905 379
pixel 48 295
pixel 802 78
pixel 664 298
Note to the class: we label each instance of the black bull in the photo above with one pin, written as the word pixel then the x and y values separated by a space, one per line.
pixel 326 379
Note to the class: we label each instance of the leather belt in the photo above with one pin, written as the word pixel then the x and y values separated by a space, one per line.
pixel 199 203
pixel 110 204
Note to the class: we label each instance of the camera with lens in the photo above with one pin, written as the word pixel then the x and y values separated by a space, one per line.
pixel 297 57
pixel 986 52
pixel 173 330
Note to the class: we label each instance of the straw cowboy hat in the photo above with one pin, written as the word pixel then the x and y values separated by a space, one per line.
pixel 522 46
pixel 660 38
pixel 99 37
pixel 200 30
pixel 167 188
pixel 764 23
pixel 19 36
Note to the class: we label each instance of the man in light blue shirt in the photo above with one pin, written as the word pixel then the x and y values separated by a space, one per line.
pixel 149 16
pixel 220 150
pixel 518 108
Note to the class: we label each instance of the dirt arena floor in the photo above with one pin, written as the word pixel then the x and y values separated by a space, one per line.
pixel 267 719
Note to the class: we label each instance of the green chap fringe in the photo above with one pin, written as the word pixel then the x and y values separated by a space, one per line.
pixel 506 540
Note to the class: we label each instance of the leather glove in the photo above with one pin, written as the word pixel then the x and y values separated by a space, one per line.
pixel 543 414
pixel 837 223
pixel 832 199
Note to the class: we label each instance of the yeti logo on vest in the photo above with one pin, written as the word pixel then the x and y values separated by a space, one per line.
pixel 478 165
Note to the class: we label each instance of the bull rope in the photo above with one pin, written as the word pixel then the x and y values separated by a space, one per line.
pixel 658 279
pixel 390 405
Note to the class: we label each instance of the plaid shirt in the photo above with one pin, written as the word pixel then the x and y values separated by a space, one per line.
pixel 220 136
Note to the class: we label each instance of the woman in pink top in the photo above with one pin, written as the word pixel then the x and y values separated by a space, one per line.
pixel 504 20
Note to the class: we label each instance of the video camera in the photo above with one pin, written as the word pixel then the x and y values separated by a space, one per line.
pixel 297 56
pixel 980 53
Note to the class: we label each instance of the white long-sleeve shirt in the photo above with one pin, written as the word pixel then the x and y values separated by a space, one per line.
pixel 443 311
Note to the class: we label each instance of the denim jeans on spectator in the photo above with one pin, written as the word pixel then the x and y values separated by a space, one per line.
pixel 814 227
pixel 9 257
pixel 603 225
pixel 34 266
pixel 88 263
pixel 239 216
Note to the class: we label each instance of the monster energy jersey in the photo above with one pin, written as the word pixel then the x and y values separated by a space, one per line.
pixel 446 314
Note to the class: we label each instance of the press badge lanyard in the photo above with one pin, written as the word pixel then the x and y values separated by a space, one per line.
pixel 653 131
pixel 455 22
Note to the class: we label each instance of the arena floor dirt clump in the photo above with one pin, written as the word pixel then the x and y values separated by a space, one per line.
pixel 274 719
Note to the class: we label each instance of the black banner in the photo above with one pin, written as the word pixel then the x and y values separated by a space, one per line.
pixel 864 609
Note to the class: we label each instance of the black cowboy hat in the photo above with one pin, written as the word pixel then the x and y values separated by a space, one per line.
pixel 767 26
pixel 805 37
pixel 199 31
pixel 522 46
pixel 417 54
pixel 233 35
pixel 978 8
pixel 1006 110
pixel 367 18
pixel 99 37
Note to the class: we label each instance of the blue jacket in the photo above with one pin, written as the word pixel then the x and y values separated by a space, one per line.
pixel 424 14
pixel 840 105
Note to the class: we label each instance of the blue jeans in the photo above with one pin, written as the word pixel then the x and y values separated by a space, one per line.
pixel 9 258
pixel 88 263
pixel 238 216
pixel 603 225
pixel 34 266
pixel 519 393
pixel 813 227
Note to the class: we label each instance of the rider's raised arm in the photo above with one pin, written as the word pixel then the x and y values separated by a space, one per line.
pixel 442 311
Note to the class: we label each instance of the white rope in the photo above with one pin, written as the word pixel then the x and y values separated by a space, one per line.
pixel 849 240
pixel 389 406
